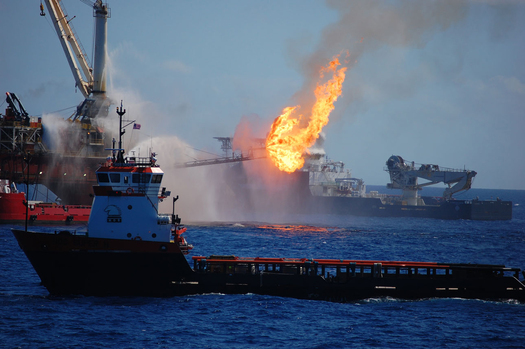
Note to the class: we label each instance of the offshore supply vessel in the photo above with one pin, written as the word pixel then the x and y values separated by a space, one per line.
pixel 129 249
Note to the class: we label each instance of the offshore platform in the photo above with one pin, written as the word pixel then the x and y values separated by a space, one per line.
pixel 68 168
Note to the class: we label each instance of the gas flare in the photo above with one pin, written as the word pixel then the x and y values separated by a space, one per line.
pixel 289 139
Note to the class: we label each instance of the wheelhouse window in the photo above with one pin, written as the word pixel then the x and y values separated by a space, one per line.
pixel 157 178
pixel 115 177
pixel 102 177
pixel 141 178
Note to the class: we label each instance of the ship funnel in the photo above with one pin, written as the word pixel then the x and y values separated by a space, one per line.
pixel 101 14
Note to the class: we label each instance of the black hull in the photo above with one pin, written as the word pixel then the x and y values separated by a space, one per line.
pixel 358 288
pixel 448 210
pixel 78 265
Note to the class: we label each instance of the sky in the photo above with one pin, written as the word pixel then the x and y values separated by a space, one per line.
pixel 438 82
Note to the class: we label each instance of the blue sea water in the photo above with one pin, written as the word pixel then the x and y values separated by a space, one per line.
pixel 30 318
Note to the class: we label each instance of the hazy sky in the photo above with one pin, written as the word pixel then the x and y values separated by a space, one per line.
pixel 435 82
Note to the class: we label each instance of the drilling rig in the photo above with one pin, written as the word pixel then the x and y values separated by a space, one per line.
pixel 67 168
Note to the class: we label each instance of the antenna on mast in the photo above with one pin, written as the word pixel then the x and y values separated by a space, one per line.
pixel 120 112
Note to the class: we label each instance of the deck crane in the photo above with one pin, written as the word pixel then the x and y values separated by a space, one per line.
pixel 91 81
pixel 15 110
pixel 404 175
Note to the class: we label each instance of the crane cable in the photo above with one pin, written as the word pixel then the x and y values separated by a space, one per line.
pixel 43 14
pixel 56 111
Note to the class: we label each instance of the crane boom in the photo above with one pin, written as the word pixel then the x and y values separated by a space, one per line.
pixel 90 80
pixel 74 53
pixel 404 175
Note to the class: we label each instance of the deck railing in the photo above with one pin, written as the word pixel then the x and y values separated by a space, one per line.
pixel 341 270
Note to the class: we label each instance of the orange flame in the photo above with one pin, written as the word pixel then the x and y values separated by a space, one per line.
pixel 288 141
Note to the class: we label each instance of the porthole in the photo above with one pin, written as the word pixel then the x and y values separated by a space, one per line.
pixel 130 207
pixel 129 235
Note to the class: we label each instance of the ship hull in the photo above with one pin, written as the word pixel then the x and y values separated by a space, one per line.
pixel 70 264
pixel 448 210
pixel 358 288
pixel 13 211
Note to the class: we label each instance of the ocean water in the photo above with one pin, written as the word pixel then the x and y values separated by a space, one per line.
pixel 30 318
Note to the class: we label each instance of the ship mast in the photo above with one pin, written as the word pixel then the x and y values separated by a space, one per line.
pixel 120 156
